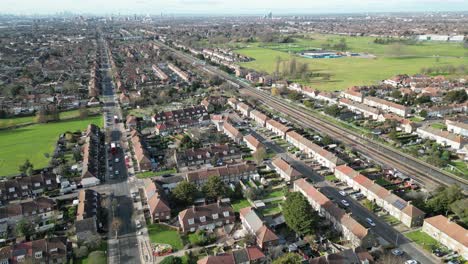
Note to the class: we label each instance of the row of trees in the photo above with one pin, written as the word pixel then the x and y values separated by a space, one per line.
pixel 186 192
pixel 445 69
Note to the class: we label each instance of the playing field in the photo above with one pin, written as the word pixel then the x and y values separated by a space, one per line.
pixel 31 142
pixel 349 71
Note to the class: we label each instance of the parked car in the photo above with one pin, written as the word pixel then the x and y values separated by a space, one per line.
pixel 117 172
pixel 116 160
pixel 439 253
pixel 397 252
pixel 138 224
pixel 345 203
pixel 411 261
pixel 342 193
pixel 368 220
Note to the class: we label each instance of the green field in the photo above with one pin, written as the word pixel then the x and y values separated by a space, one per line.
pixel 9 122
pixel 165 235
pixel 349 71
pixel 32 142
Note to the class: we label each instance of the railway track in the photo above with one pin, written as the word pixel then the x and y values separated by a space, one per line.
pixel 424 173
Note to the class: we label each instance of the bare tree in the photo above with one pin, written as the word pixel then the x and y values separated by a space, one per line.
pixel 259 155
pixel 390 259
pixel 115 225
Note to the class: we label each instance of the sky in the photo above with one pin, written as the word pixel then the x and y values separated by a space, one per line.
pixel 222 7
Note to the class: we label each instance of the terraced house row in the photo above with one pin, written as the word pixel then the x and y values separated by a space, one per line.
pixel 402 210
pixel 312 150
pixel 355 233
pixel 27 186
pixel 93 148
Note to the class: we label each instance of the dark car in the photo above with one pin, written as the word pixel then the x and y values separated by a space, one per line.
pixel 439 253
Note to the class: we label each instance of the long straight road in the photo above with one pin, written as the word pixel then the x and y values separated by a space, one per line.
pixel 123 243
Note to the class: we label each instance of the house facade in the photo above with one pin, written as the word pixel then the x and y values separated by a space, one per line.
pixel 206 217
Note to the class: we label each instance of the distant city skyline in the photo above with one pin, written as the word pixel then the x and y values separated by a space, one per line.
pixel 224 7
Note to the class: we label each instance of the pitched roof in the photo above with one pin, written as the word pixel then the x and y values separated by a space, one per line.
pixel 449 228
pixel 264 234
pixel 285 167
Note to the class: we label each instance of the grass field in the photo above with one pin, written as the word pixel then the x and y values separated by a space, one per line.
pixel 165 235
pixel 9 122
pixel 351 71
pixel 31 142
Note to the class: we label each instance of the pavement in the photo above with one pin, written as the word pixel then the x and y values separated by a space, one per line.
pixel 360 213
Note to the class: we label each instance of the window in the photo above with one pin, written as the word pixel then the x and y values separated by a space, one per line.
pixel 37 184
pixel 11 189
pixel 215 216
pixel 24 187
pixel 226 213
pixel 48 182
pixel 38 255
pixel 191 221
pixel 202 219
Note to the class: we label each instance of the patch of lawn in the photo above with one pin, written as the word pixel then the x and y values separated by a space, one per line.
pixel 331 177
pixel 272 208
pixel 460 168
pixel 438 126
pixel 423 239
pixel 149 174
pixel 390 219
pixel 165 235
pixel 274 194
pixel 32 142
pixel 237 205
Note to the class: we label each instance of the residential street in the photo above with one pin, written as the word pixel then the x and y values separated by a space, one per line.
pixel 360 213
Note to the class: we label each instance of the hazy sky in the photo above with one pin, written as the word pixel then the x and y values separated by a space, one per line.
pixel 227 6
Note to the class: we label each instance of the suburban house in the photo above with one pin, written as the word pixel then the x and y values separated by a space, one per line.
pixel 131 122
pixel 253 143
pixel 404 211
pixel 254 225
pixel 259 117
pixel 93 148
pixel 168 127
pixel 48 250
pixel 159 73
pixel 27 186
pixel 353 94
pixel 39 211
pixel 326 97
pixel 448 233
pixel 87 214
pixel 457 127
pixel 277 128
pixel 200 156
pixel 347 256
pixel 206 217
pixel 442 137
pixel 158 208
pixel 285 170
pixel 232 102
pixel 442 110
pixel 388 106
pixel 248 255
pixel 228 173
pixel 183 75
pixel 142 156
pixel 320 155
pixel 232 132
pixel 355 233
pixel 366 111
pixel 194 112
pixel 244 109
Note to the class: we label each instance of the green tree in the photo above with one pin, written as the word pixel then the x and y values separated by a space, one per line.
pixel 289 258
pixel 294 96
pixel 185 192
pixel 456 96
pixel 214 188
pixel 25 228
pixel 171 260
pixel 298 213
pixel 444 197
pixel 332 110
pixel 460 208
pixel 423 113
pixel 26 168
pixel 259 155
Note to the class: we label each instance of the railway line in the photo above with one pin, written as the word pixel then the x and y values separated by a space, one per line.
pixel 362 145
pixel 424 173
